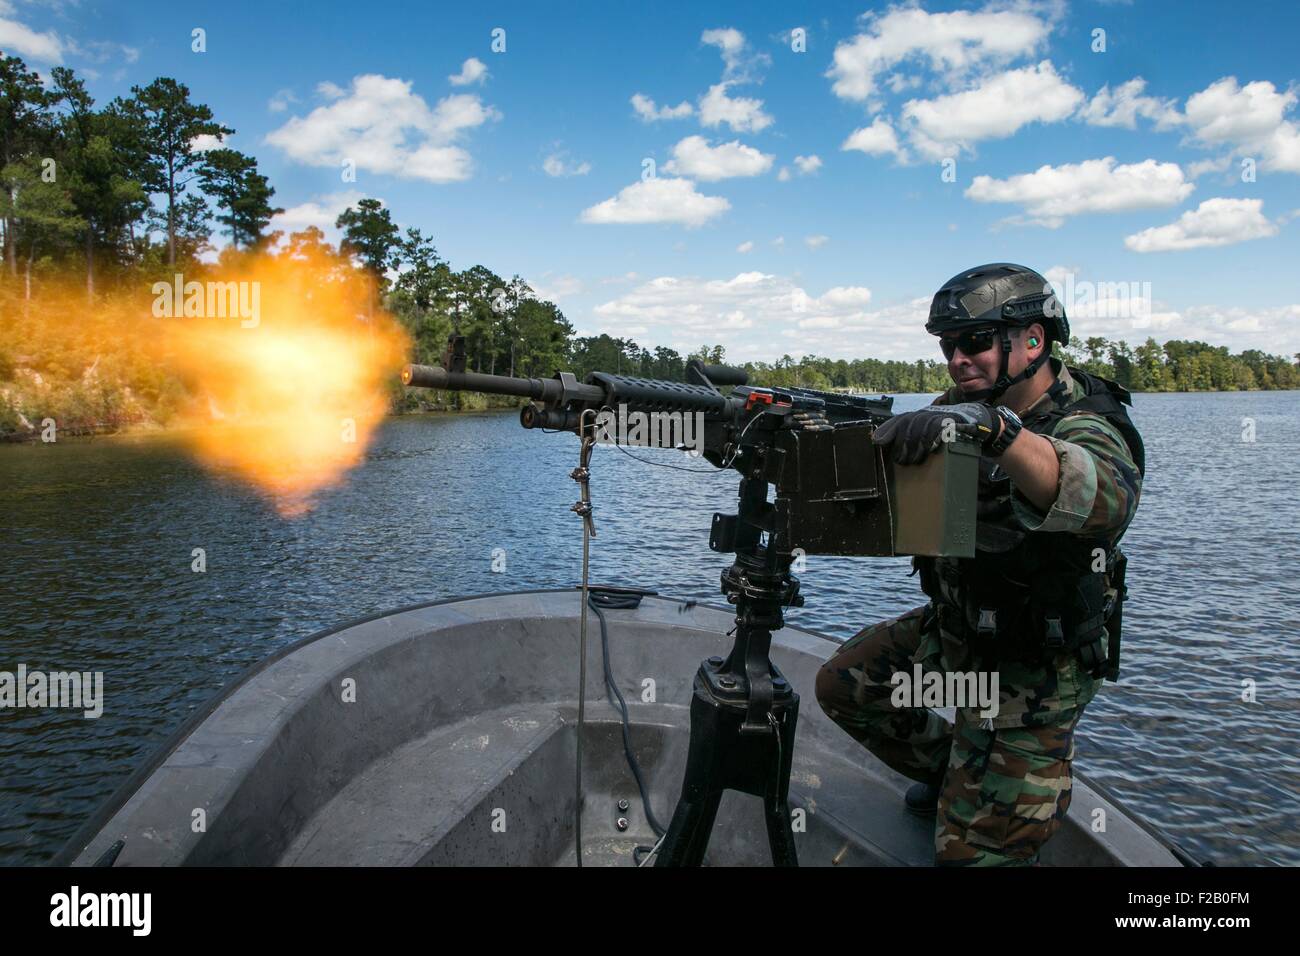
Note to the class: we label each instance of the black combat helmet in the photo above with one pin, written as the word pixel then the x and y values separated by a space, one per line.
pixel 1000 294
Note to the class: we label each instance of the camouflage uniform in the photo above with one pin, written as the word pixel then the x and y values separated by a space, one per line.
pixel 1005 780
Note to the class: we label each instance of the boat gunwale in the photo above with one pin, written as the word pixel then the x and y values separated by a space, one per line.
pixel 94 824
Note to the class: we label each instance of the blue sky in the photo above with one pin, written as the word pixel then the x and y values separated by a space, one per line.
pixel 799 202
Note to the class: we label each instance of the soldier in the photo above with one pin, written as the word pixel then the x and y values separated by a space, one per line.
pixel 1039 604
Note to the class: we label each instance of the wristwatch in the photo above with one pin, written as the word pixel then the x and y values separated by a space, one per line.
pixel 1011 425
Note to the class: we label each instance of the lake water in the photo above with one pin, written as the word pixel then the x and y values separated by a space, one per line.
pixel 95 574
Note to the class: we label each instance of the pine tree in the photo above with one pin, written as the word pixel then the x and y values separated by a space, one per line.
pixel 171 123
pixel 243 196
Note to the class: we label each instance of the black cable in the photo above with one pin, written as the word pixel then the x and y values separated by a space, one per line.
pixel 599 601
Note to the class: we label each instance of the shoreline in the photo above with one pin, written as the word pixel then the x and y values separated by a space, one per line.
pixel 143 429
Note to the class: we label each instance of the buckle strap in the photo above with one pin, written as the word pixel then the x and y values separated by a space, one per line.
pixel 1054 633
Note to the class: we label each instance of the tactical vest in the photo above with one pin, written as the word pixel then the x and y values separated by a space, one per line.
pixel 1046 592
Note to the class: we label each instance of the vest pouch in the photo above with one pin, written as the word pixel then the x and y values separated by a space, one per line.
pixel 1087 615
pixel 1085 624
pixel 1007 630
pixel 1036 625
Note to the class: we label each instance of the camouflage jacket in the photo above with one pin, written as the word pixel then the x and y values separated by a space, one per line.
pixel 1097 496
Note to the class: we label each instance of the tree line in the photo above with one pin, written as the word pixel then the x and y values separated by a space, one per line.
pixel 94 186
pixel 1175 366
pixel 117 196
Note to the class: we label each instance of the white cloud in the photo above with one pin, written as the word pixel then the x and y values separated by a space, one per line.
pixel 816 242
pixel 661 199
pixel 731 43
pixel 784 175
pixel 557 164
pixel 745 247
pixel 1198 169
pixel 1275 329
pixel 952 44
pixel 206 141
pixel 384 127
pixel 748 313
pixel 740 63
pixel 808 164
pixel 330 91
pixel 558 288
pixel 1051 193
pixel 100 51
pixel 21 40
pixel 994 109
pixel 1215 222
pixel 281 100
pixel 319 211
pixel 1123 106
pixel 898 83
pixel 878 139
pixel 1224 112
pixel 472 71
pixel 693 157
pixel 755 315
pixel 758 316
pixel 1251 119
pixel 742 114
pixel 1127 308
pixel 618 280
pixel 647 111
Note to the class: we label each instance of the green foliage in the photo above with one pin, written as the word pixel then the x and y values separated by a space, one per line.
pixel 10 424
pixel 857 375
pixel 370 234
pixel 1179 366
pixel 243 195
pixel 170 122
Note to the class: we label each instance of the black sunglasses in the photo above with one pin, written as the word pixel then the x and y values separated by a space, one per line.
pixel 971 342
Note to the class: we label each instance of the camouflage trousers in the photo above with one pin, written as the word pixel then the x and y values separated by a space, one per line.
pixel 1003 792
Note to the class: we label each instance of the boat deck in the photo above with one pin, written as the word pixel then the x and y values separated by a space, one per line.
pixel 444 735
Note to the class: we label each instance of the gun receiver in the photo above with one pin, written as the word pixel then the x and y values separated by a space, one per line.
pixel 836 493
pixel 558 402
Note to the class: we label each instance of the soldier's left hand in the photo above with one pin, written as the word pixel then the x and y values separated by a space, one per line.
pixel 916 434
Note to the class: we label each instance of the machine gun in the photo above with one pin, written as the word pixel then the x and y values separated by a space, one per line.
pixel 836 494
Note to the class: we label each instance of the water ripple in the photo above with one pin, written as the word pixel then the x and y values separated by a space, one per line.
pixel 95 575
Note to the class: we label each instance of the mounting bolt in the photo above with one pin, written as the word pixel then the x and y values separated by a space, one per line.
pixel 727 682
pixel 622 806
pixel 715 661
pixel 621 824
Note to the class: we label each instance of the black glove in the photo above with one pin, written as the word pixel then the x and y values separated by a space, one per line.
pixel 916 434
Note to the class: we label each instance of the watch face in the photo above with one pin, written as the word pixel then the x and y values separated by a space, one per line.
pixel 1010 414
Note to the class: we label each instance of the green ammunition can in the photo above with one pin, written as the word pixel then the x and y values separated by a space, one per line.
pixel 837 492
pixel 933 503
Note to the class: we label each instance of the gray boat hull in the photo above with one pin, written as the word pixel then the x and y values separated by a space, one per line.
pixel 444 735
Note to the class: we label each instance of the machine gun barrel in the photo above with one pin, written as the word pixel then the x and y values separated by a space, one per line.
pixel 546 390
pixel 562 403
